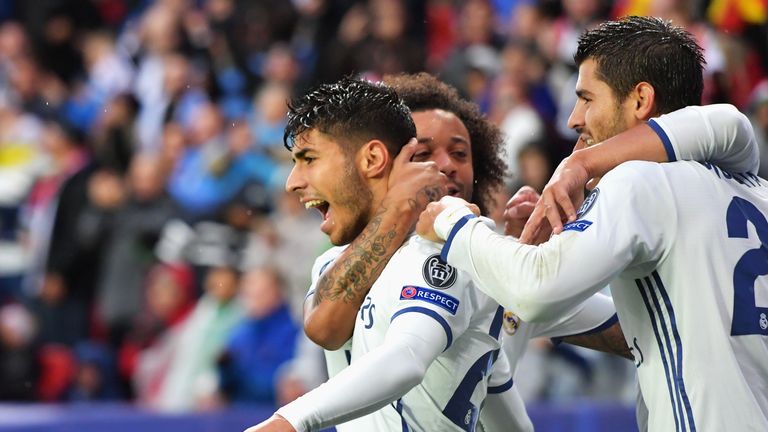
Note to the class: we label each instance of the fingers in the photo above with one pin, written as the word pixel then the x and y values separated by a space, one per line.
pixel 524 194
pixel 552 213
pixel 592 183
pixel 563 201
pixel 474 209
pixel 425 225
pixel 521 211
pixel 407 152
pixel 531 229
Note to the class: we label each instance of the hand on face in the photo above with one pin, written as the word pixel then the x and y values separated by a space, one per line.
pixel 559 200
pixel 272 424
pixel 425 227
pixel 415 183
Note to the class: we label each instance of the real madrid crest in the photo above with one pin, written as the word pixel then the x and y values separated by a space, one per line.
pixel 511 322
pixel 437 273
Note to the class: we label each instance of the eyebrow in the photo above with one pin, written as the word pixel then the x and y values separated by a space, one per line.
pixel 455 139
pixel 301 154
pixel 583 93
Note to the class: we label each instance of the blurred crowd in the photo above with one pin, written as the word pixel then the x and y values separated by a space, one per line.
pixel 148 251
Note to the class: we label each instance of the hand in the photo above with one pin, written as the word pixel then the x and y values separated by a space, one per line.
pixel 518 209
pixel 561 197
pixel 425 227
pixel 414 184
pixel 272 424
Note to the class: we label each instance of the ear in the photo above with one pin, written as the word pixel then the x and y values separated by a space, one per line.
pixel 643 98
pixel 374 159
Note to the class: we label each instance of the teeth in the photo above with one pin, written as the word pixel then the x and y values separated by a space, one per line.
pixel 590 142
pixel 313 203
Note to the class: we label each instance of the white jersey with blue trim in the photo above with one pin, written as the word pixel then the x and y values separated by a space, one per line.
pixel 449 397
pixel 685 247
pixel 337 360
pixel 594 315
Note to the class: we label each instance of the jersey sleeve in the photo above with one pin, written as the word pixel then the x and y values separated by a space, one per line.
pixel 379 377
pixel 628 220
pixel 595 314
pixel 426 285
pixel 504 412
pixel 718 133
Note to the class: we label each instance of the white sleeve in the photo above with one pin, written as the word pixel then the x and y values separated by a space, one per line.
pixel 594 315
pixel 627 222
pixel 719 134
pixel 504 412
pixel 503 408
pixel 412 343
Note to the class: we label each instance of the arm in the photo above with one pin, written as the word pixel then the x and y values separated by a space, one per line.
pixel 505 411
pixel 412 343
pixel 329 313
pixel 610 340
pixel 629 222
pixel 503 408
pixel 592 324
pixel 715 133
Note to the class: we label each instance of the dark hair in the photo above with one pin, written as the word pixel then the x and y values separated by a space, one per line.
pixel 636 49
pixel 422 92
pixel 352 110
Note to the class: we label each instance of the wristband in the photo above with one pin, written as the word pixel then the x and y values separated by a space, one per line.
pixel 447 218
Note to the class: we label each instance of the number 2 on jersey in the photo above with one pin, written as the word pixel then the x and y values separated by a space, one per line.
pixel 748 318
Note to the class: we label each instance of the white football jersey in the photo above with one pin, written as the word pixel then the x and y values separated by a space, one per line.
pixel 687 244
pixel 338 359
pixel 451 393
pixel 416 281
pixel 693 304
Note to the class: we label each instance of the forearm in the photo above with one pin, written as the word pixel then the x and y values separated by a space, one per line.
pixel 610 340
pixel 538 283
pixel 637 143
pixel 329 315
pixel 404 357
pixel 714 133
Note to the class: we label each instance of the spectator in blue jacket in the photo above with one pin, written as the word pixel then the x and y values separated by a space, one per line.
pixel 261 343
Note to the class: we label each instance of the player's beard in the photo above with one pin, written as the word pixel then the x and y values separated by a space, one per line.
pixel 617 125
pixel 353 201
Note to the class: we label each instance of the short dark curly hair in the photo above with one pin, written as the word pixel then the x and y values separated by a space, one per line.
pixel 634 49
pixel 352 111
pixel 423 92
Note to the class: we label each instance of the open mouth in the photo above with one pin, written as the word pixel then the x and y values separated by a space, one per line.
pixel 589 141
pixel 320 205
pixel 454 191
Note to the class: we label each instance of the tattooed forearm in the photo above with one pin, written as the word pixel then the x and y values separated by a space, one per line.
pixel 354 272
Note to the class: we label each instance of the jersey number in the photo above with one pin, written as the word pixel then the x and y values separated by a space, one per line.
pixel 748 318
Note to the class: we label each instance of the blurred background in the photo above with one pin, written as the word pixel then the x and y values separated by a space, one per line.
pixel 151 264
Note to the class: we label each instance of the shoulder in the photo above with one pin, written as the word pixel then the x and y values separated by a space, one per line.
pixel 641 176
pixel 326 257
pixel 632 170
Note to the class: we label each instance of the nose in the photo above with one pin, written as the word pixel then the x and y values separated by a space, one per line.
pixel 295 180
pixel 445 163
pixel 576 119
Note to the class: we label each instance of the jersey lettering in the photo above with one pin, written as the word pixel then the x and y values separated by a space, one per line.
pixel 367 318
pixel 748 318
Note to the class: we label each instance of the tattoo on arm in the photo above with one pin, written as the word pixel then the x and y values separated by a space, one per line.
pixel 353 274
pixel 355 271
